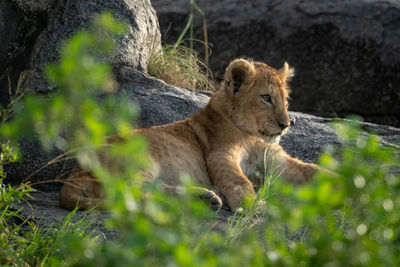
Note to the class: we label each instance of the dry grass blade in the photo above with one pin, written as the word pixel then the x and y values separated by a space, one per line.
pixel 180 66
pixel 15 95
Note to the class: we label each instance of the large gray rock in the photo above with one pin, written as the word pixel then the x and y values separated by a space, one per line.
pixel 159 103
pixel 18 32
pixel 30 7
pixel 133 49
pixel 346 53
pixel 32 32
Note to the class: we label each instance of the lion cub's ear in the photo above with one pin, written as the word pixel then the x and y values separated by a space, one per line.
pixel 239 72
pixel 286 72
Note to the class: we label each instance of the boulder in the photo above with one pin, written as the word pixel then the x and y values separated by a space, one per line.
pixel 133 48
pixel 159 103
pixel 18 32
pixel 346 53
pixel 46 24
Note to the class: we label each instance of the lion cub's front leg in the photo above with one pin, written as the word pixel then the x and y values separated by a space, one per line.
pixel 225 172
pixel 291 169
pixel 297 171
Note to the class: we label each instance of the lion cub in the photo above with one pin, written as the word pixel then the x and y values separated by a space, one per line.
pixel 220 145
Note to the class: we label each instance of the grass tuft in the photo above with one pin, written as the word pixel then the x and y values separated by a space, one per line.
pixel 180 66
pixel 254 212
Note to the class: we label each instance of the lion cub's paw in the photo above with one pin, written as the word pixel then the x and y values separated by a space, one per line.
pixel 212 199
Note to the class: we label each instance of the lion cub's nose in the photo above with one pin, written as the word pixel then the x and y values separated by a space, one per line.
pixel 283 126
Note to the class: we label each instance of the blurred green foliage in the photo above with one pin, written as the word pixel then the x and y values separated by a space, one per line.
pixel 348 220
pixel 71 112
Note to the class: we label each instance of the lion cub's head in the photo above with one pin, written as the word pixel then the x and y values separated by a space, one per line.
pixel 259 97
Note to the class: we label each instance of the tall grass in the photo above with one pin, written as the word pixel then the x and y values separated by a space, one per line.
pixel 15 95
pixel 180 65
pixel 254 212
pixel 37 245
pixel 190 25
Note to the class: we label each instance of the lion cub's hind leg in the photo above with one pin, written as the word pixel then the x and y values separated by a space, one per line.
pixel 82 190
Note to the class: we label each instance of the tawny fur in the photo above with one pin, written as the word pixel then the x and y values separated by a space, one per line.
pixel 220 145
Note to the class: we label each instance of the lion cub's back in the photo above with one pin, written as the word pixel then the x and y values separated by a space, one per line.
pixel 175 149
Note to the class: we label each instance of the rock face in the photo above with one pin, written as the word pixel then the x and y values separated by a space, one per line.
pixel 159 102
pixel 18 33
pixel 51 22
pixel 133 49
pixel 346 53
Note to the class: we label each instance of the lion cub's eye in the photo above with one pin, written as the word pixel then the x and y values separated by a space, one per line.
pixel 266 98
